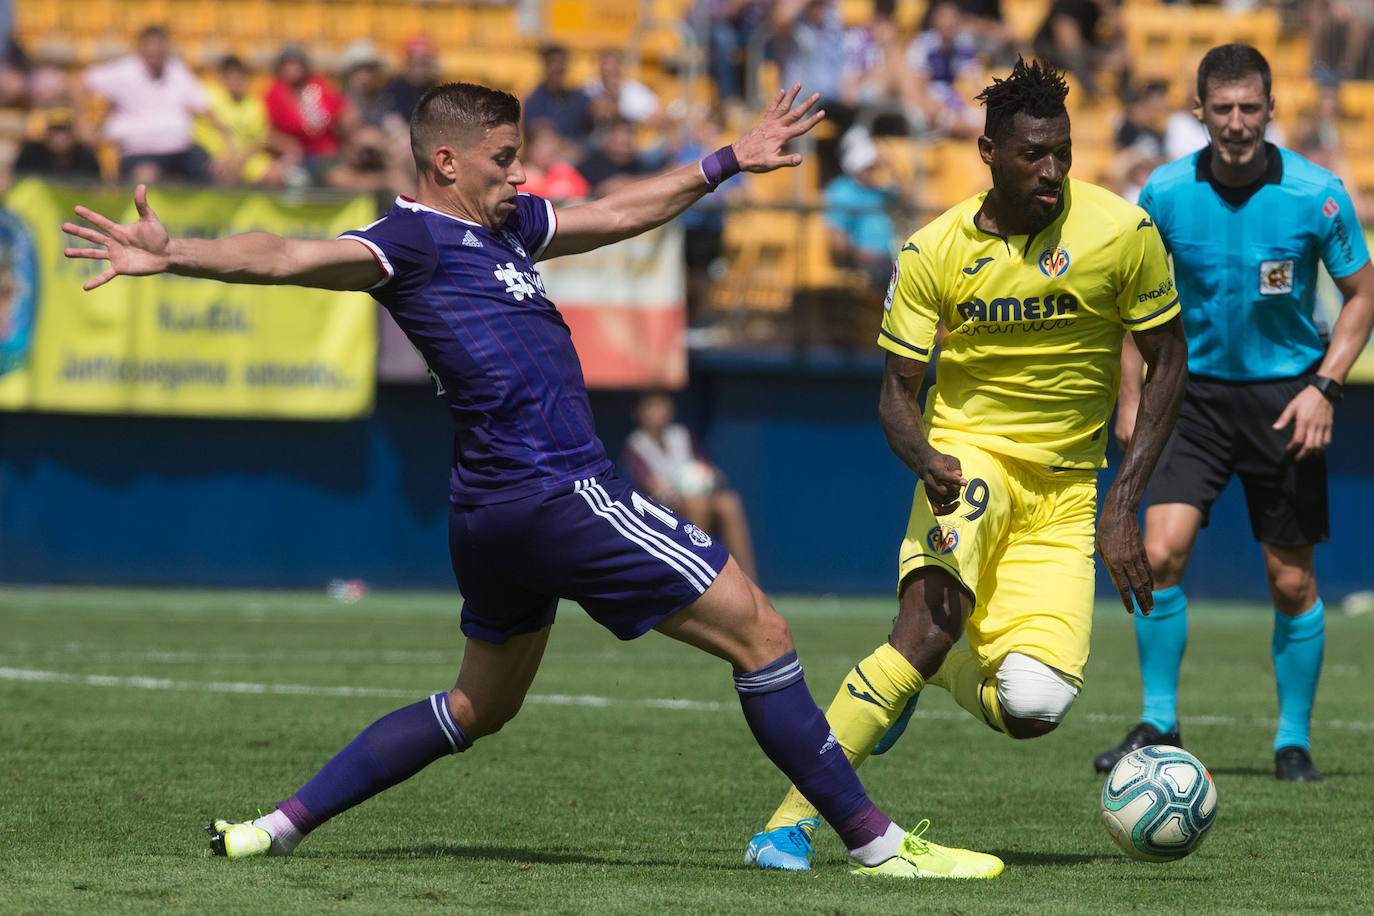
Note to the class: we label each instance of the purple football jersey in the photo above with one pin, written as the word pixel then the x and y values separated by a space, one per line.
pixel 473 305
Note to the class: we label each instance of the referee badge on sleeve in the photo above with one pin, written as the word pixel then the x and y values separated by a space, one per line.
pixel 1276 277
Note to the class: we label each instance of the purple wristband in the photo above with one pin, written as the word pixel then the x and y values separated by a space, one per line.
pixel 719 166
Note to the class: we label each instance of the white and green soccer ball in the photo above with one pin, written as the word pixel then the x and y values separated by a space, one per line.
pixel 1158 803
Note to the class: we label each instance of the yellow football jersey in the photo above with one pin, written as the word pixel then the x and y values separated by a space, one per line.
pixel 1032 358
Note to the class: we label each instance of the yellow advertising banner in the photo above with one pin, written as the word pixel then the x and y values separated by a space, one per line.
pixel 175 345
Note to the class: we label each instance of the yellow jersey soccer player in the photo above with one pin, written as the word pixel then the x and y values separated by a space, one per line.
pixel 1036 282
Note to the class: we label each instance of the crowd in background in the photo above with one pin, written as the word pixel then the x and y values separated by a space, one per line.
pixel 147 116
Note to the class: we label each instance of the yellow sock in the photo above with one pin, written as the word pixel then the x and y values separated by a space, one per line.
pixel 964 680
pixel 869 700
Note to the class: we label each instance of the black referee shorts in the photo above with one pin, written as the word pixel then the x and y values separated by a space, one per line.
pixel 1226 428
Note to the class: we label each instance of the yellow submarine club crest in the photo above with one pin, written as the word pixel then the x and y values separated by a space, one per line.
pixel 1054 262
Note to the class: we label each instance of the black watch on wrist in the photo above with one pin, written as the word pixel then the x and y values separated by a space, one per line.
pixel 1329 387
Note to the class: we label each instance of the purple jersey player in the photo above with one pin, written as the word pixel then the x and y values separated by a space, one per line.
pixel 537 513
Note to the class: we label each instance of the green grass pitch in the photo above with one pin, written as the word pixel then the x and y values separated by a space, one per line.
pixel 629 783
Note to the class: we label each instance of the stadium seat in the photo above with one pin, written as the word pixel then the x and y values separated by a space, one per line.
pixel 586 26
pixel 761 247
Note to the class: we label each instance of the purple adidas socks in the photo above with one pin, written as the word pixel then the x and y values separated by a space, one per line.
pixel 390 750
pixel 795 735
pixel 785 720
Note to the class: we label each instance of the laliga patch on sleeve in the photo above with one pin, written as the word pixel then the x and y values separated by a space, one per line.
pixel 1276 277
pixel 891 288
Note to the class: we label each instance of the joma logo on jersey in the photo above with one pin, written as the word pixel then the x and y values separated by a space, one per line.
pixel 1009 309
pixel 1054 262
pixel 942 539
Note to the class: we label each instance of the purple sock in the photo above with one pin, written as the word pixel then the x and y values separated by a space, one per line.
pixel 390 750
pixel 793 732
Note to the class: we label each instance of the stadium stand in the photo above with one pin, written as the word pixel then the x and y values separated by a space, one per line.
pixel 774 250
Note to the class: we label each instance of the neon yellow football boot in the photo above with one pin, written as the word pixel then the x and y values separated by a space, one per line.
pixel 238 841
pixel 920 858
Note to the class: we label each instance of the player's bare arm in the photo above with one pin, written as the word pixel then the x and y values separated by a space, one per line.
pixel 144 248
pixel 1165 351
pixel 1128 395
pixel 642 205
pixel 899 411
pixel 1310 412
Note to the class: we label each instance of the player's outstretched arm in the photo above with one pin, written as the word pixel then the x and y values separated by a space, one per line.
pixel 1165 351
pixel 900 415
pixel 144 248
pixel 642 205
pixel 1310 413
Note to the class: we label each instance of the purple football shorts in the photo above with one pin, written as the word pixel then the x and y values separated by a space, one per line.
pixel 627 560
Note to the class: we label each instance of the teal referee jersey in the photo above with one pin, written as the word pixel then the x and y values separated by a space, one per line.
pixel 1245 260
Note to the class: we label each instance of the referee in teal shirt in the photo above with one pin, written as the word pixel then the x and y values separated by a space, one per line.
pixel 1246 223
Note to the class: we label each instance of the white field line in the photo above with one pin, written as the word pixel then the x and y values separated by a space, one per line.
pixel 547 699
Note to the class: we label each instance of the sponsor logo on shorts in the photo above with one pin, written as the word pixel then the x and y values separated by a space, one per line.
pixel 1054 262
pixel 1276 277
pixel 942 539
pixel 699 537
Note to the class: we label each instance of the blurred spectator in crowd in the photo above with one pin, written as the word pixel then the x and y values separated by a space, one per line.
pixel 809 42
pixel 943 52
pixel 945 49
pixel 58 152
pixel 152 99
pixel 569 108
pixel 1339 32
pixel 1318 137
pixel 1139 139
pixel 725 28
pixel 665 461
pixel 309 116
pixel 996 42
pixel 419 73
pixel 363 165
pixel 857 204
pixel 873 74
pixel 1084 38
pixel 616 161
pixel 362 80
pixel 548 171
pixel 244 154
pixel 614 95
pixel 14 75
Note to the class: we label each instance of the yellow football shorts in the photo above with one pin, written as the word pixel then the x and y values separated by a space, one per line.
pixel 1021 543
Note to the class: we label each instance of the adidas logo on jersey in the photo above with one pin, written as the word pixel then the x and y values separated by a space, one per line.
pixel 470 240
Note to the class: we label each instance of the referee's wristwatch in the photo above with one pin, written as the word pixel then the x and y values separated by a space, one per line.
pixel 1329 387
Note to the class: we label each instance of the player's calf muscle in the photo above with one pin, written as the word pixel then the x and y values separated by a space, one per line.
pixel 479 721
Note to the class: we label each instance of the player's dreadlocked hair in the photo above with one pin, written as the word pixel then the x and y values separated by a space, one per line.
pixel 1035 89
pixel 455 113
pixel 1232 63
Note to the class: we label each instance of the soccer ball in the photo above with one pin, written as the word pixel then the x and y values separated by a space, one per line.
pixel 1158 803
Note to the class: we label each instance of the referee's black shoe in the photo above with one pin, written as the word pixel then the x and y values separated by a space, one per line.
pixel 1142 735
pixel 1294 764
